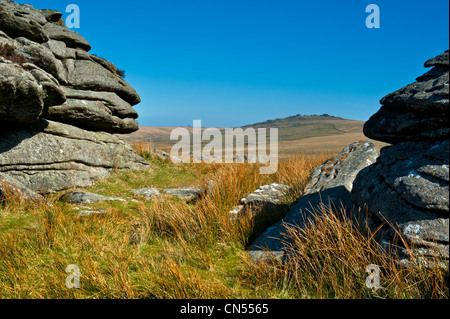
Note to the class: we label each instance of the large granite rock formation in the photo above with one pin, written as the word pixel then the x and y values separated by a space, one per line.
pixel 408 186
pixel 401 194
pixel 329 187
pixel 59 104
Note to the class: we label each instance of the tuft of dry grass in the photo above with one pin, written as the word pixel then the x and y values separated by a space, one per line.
pixel 329 259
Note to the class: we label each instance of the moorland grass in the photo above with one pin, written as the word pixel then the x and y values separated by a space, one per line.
pixel 166 248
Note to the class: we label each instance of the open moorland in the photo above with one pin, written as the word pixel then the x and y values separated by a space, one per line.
pixel 315 134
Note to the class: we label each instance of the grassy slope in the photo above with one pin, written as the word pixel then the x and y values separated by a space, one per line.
pixel 169 249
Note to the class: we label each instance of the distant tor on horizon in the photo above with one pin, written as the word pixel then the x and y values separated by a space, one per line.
pixel 307 134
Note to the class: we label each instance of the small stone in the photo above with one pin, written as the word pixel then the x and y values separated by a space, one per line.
pixel 86 213
pixel 185 193
pixel 80 197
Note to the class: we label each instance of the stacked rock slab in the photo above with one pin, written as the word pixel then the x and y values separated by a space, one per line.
pixel 59 104
pixel 417 112
pixel 408 187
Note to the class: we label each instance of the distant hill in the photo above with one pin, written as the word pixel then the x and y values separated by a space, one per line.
pixel 307 126
pixel 297 134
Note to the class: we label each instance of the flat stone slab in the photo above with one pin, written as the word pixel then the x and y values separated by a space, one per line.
pixel 185 193
pixel 87 213
pixel 268 193
pixel 264 197
pixel 79 197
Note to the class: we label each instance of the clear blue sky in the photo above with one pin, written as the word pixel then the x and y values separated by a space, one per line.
pixel 236 62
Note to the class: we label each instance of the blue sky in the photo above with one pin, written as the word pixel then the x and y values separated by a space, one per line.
pixel 236 62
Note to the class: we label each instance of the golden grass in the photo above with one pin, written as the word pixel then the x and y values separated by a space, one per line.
pixel 169 249
pixel 330 258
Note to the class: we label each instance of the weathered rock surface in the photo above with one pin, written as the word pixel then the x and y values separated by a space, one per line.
pixel 22 20
pixel 87 213
pixel 50 156
pixel 69 37
pixel 407 189
pixel 266 194
pixel 9 185
pixel 62 53
pixel 89 75
pixel 264 198
pixel 25 91
pixel 330 185
pixel 166 156
pixel 418 111
pixel 91 114
pixel 53 96
pixel 335 173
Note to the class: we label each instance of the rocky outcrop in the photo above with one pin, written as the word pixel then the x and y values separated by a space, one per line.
pixel 59 104
pixel 97 97
pixel 402 194
pixel 417 112
pixel 342 170
pixel 25 90
pixel 50 156
pixel 330 186
pixel 22 20
pixel 408 187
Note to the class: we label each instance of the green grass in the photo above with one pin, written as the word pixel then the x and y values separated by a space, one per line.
pixel 160 175
pixel 13 220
